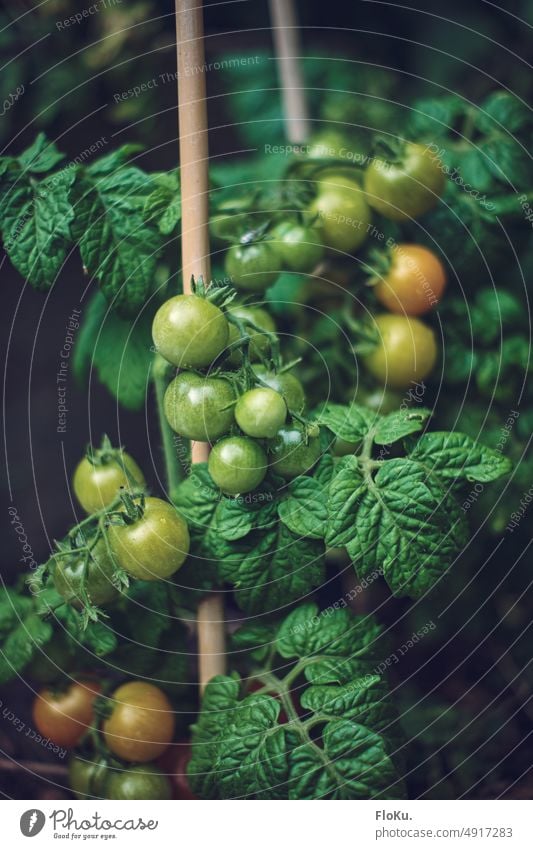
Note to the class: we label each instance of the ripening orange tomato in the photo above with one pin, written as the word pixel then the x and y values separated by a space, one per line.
pixel 414 282
pixel 65 715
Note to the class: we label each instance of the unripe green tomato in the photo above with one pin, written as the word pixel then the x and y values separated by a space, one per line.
pixel 155 545
pixel 143 781
pixel 259 343
pixel 253 267
pixel 405 353
pixel 97 486
pixel 343 213
pixel 260 412
pixel 341 447
pixel 87 778
pixel 288 386
pixel 237 465
pixel 189 331
pixel 199 408
pixel 407 188
pixel 300 247
pixel 69 576
pixel 292 453
pixel 327 144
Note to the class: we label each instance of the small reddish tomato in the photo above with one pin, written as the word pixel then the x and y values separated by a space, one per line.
pixel 173 763
pixel 65 715
pixel 414 282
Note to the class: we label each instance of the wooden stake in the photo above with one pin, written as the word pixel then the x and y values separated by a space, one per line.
pixel 194 173
pixel 288 51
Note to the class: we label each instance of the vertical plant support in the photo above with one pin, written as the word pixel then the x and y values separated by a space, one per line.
pixel 194 173
pixel 288 51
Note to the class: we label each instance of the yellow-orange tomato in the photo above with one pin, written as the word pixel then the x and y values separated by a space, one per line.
pixel 142 722
pixel 405 352
pixel 64 716
pixel 414 283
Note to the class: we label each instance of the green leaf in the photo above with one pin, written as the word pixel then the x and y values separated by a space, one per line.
pixel 351 423
pixel 36 219
pixel 455 456
pixel 408 526
pixel 197 497
pixel 20 644
pixel 346 490
pixel 434 117
pixel 401 423
pixel 508 161
pixel 502 110
pixel 114 160
pixel 41 156
pixel 256 638
pixel 119 351
pixel 100 638
pixel 303 509
pixel 117 246
pixel 365 700
pixel 149 600
pixel 272 568
pixel 163 205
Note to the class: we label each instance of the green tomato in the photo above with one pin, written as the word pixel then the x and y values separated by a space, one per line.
pixel 87 778
pixel 328 144
pixel 230 217
pixel 300 247
pixel 189 331
pixel 259 343
pixel 253 267
pixel 341 447
pixel 143 781
pixel 50 661
pixel 408 188
pixel 288 386
pixel 405 353
pixel 237 465
pixel 99 571
pixel 97 485
pixel 292 452
pixel 155 545
pixel 260 412
pixel 343 213
pixel 199 408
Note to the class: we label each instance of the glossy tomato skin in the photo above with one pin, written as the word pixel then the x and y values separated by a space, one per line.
pixel 260 412
pixel 68 576
pixel 237 465
pixel 97 486
pixel 341 447
pixel 414 283
pixel 291 454
pixel 142 723
pixel 189 331
pixel 288 386
pixel 144 781
pixel 254 267
pixel 299 246
pixel 199 408
pixel 259 344
pixel 343 213
pixel 87 778
pixel 405 353
pixel 50 661
pixel 155 545
pixel 406 189
pixel 65 716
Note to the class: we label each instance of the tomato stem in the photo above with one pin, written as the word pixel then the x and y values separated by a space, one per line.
pixel 173 468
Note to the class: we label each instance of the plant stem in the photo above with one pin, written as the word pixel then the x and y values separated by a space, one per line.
pixel 173 468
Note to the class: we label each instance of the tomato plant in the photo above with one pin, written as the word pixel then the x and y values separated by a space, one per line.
pixel 65 715
pixel 141 723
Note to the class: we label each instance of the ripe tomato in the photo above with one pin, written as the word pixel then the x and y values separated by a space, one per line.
pixel 406 188
pixel 96 486
pixel 65 715
pixel 142 723
pixel 237 465
pixel 199 408
pixel 155 545
pixel 292 452
pixel 87 778
pixel 259 343
pixel 260 412
pixel 288 386
pixel 405 353
pixel 69 571
pixel 414 282
pixel 253 267
pixel 144 781
pixel 189 331
pixel 299 246
pixel 343 213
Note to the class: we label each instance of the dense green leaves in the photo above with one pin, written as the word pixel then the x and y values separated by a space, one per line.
pixel 22 631
pixel 456 457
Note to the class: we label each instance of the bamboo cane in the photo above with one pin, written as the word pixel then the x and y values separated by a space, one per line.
pixel 194 161
pixel 287 45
